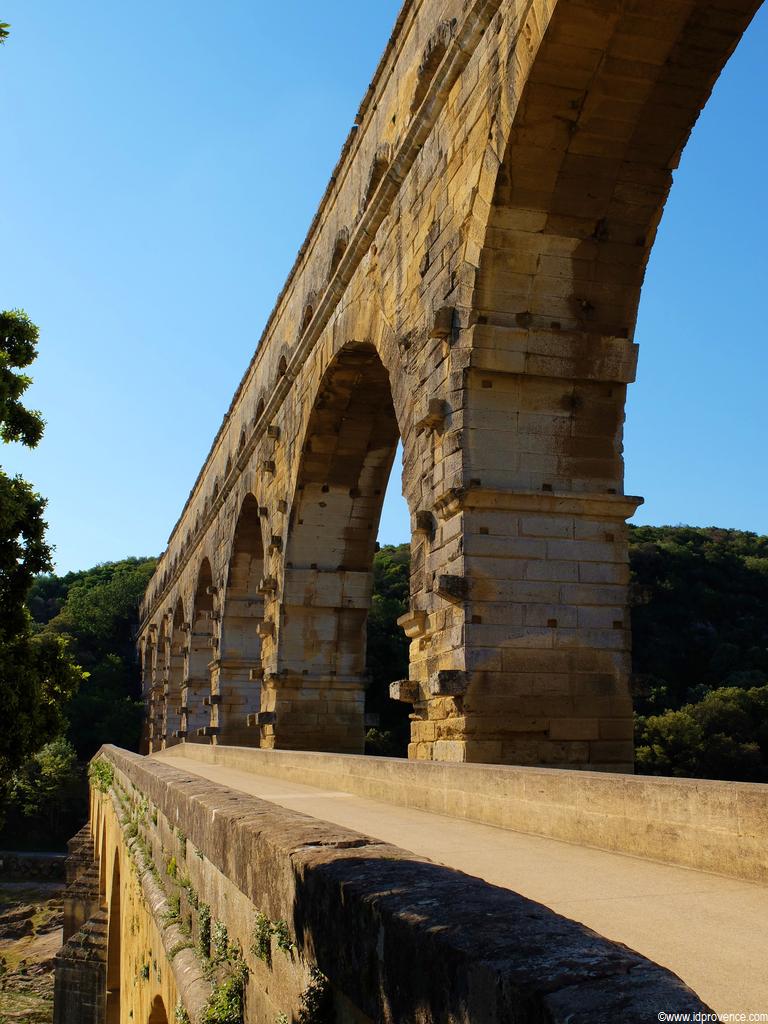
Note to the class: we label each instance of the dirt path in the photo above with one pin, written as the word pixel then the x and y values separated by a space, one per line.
pixel 30 935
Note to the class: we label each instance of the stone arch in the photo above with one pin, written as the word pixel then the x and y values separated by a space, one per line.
pixel 103 881
pixel 236 683
pixel 198 655
pixel 160 704
pixel 178 640
pixel 584 165
pixel 587 165
pixel 147 685
pixel 114 945
pixel 315 699
pixel 158 1014
pixel 260 408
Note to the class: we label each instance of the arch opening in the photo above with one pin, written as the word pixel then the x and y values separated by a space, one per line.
pixel 147 692
pixel 197 658
pixel 114 947
pixel 236 675
pixel 173 701
pixel 315 699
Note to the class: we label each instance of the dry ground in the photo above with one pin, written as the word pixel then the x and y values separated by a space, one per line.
pixel 30 934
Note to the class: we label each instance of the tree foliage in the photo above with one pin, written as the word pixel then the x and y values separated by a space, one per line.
pixel 18 350
pixel 37 675
pixel 699 615
pixel 46 798
pixel 387 658
pixel 95 613
pixel 723 736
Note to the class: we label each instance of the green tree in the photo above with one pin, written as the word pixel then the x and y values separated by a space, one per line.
pixel 46 799
pixel 37 675
pixel 722 736
pixel 96 612
pixel 387 657
pixel 699 615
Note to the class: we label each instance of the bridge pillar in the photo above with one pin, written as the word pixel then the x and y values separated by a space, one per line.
pixel 314 699
pixel 313 712
pixel 235 692
pixel 520 630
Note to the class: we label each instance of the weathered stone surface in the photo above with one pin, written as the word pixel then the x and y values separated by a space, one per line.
pixel 469 285
pixel 398 937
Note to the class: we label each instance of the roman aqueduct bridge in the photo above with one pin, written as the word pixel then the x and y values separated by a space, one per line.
pixel 469 286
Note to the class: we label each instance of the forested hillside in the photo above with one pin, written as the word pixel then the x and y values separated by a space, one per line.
pixel 700 650
pixel 700 682
pixel 92 613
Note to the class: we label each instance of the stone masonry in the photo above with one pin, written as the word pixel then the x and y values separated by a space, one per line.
pixel 469 286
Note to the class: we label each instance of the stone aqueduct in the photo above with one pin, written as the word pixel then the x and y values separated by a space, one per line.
pixel 469 285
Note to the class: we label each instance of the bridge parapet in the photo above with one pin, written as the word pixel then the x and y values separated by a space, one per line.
pixel 213 894
pixel 705 824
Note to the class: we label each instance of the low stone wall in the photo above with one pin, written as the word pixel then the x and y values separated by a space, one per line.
pixel 20 865
pixel 714 826
pixel 398 937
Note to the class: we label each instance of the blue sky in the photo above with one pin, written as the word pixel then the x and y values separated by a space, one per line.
pixel 160 170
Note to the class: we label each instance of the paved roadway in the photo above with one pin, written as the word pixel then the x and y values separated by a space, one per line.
pixel 712 931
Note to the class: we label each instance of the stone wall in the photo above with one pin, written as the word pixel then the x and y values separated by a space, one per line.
pixel 470 286
pixel 317 912
pixel 700 823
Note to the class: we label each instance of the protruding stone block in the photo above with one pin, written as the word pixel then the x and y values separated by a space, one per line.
pixel 443 323
pixel 433 417
pixel 424 524
pixel 452 588
pixel 413 623
pixel 405 690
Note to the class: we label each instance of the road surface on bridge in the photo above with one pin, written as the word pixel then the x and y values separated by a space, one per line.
pixel 712 931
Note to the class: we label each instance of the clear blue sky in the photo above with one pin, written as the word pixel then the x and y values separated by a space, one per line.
pixel 161 165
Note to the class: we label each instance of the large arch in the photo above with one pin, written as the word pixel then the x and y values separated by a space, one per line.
pixel 237 671
pixel 609 99
pixel 198 655
pixel 315 698
pixel 114 946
